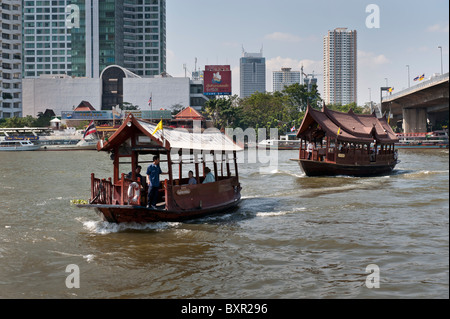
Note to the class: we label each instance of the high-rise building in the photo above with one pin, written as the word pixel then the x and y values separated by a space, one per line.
pixel 46 40
pixel 284 78
pixel 340 66
pixel 253 74
pixel 10 58
pixel 310 81
pixel 128 33
pixel 83 37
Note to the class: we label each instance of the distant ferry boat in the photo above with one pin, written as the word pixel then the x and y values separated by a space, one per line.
pixel 335 143
pixel 430 140
pixel 18 145
pixel 286 142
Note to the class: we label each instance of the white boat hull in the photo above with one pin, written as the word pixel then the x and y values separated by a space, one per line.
pixel 18 146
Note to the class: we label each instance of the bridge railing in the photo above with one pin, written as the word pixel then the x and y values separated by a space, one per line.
pixel 422 85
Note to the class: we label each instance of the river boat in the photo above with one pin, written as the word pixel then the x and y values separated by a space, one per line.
pixel 346 144
pixel 76 145
pixel 286 142
pixel 429 140
pixel 18 145
pixel 123 199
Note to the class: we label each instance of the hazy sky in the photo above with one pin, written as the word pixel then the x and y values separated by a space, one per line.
pixel 291 33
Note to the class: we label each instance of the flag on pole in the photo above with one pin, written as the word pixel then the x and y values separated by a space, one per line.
pixel 293 129
pixel 150 100
pixel 339 131
pixel 422 77
pixel 158 127
pixel 91 129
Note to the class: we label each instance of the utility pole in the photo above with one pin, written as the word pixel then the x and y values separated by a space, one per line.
pixel 409 83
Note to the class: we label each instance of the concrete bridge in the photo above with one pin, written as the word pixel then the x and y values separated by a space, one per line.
pixel 419 105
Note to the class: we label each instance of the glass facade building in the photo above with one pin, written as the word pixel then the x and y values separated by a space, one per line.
pixel 82 37
pixel 128 33
pixel 46 40
pixel 253 74
pixel 10 59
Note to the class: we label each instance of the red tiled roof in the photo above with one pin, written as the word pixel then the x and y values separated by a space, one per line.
pixel 189 114
pixel 84 106
pixel 355 128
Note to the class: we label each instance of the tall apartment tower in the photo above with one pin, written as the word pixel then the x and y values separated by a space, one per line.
pixel 284 78
pixel 340 66
pixel 128 33
pixel 10 58
pixel 82 37
pixel 253 74
pixel 46 39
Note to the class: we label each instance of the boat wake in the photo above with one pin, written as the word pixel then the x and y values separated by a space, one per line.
pixel 278 172
pixel 104 228
pixel 280 213
pixel 419 174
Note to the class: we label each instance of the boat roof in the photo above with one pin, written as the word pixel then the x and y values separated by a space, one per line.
pixel 353 128
pixel 168 139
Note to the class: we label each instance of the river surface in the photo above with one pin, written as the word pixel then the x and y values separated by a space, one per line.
pixel 292 236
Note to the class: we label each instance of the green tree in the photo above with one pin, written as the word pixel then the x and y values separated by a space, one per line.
pixel 222 112
pixel 347 107
pixel 300 97
pixel 18 122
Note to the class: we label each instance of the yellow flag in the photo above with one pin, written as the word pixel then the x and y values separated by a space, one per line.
pixel 339 131
pixel 158 127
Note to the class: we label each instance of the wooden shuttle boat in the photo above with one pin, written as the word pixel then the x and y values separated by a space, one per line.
pixel 346 144
pixel 124 198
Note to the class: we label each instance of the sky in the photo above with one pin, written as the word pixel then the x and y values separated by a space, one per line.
pixel 290 33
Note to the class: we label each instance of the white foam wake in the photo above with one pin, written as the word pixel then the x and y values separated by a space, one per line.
pixel 103 227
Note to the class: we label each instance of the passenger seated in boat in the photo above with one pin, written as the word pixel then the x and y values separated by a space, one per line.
pixel 209 176
pixel 309 149
pixel 138 175
pixel 192 180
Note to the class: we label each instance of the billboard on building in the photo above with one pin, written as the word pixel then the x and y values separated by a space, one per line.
pixel 217 80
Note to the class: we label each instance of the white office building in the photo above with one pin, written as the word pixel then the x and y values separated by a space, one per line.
pixel 10 58
pixel 285 77
pixel 115 86
pixel 340 66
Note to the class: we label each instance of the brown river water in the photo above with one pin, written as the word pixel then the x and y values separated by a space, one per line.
pixel 291 237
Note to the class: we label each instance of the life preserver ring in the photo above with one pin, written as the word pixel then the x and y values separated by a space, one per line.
pixel 134 193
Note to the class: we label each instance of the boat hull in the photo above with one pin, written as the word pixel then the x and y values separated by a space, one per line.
pixel 139 214
pixel 20 148
pixel 315 168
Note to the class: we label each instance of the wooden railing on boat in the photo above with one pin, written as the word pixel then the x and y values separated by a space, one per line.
pixel 349 155
pixel 104 192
